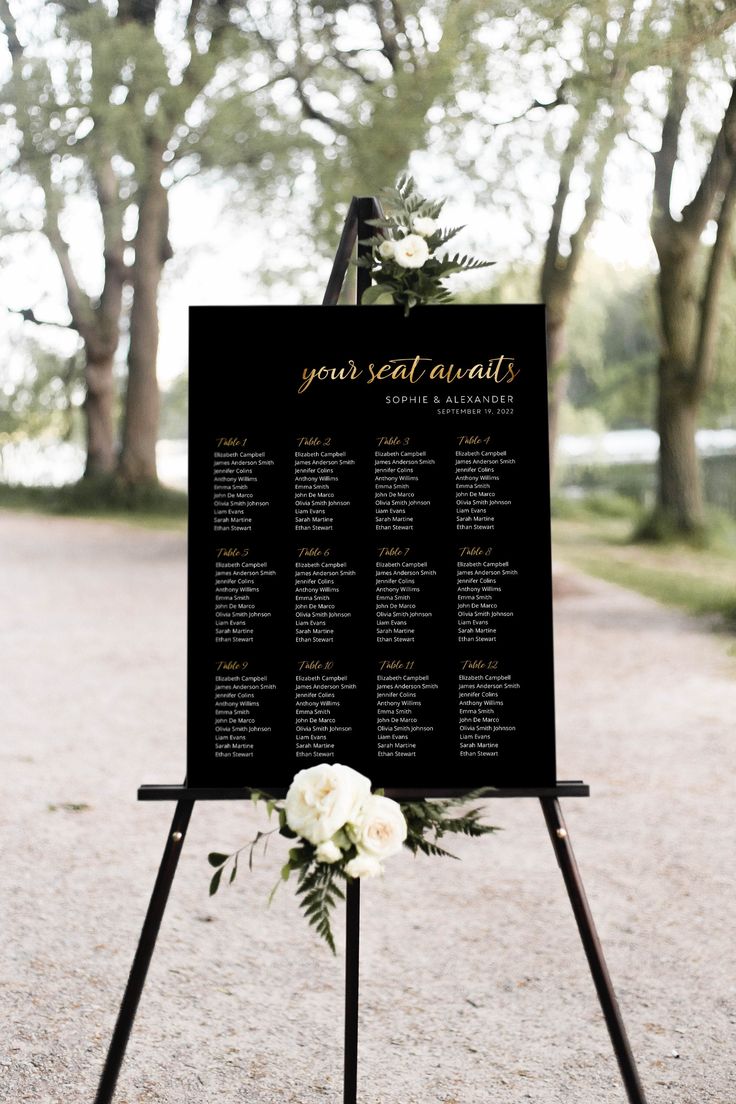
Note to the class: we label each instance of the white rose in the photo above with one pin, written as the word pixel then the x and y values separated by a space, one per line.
pixel 423 226
pixel 322 799
pixel 381 829
pixel 411 251
pixel 386 249
pixel 328 852
pixel 363 866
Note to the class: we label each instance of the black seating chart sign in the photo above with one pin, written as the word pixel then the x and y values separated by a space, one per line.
pixel 369 546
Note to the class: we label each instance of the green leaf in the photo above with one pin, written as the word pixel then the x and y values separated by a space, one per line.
pixel 285 872
pixel 318 893
pixel 251 849
pixel 301 857
pixel 382 224
pixel 233 872
pixel 377 296
pixel 215 858
pixel 215 883
pixel 273 892
pixel 428 821
pixel 405 185
pixel 442 236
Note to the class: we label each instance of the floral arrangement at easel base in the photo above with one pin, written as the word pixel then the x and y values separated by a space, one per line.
pixel 344 831
pixel 403 262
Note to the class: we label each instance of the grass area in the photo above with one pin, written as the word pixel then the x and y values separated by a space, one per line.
pixel 701 581
pixel 153 507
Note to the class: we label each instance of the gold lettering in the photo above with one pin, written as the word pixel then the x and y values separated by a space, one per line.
pixel 499 369
pixel 309 375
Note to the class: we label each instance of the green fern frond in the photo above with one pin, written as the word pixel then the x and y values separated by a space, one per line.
pixel 318 895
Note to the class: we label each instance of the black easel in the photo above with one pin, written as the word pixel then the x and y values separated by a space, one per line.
pixel 356 229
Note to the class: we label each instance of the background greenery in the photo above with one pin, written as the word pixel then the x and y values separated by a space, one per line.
pixel 590 148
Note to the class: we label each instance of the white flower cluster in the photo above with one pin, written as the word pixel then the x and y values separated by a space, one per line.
pixel 332 807
pixel 412 250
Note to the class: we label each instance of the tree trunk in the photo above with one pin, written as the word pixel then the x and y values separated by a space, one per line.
pixel 558 377
pixel 688 311
pixel 98 412
pixel 679 493
pixel 140 427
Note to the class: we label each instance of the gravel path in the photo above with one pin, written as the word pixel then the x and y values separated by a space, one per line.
pixel 474 985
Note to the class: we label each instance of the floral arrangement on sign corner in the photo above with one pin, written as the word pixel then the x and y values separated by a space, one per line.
pixel 342 831
pixel 403 262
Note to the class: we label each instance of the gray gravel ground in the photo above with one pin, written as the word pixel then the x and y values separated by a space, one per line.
pixel 474 985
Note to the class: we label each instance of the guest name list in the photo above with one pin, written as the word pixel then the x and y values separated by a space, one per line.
pixel 369 573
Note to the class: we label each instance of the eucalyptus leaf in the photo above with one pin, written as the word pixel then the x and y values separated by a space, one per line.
pixel 378 295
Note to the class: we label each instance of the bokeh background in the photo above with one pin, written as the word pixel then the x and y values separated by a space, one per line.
pixel 157 154
pixel 162 153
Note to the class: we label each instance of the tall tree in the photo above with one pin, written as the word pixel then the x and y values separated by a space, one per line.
pixel 159 104
pixel 349 89
pixel 579 104
pixel 95 105
pixel 689 290
pixel 45 121
pixel 567 111
pixel 360 79
pixel 157 92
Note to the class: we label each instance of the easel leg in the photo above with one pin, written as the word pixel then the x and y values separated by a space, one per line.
pixel 352 979
pixel 143 954
pixel 593 950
